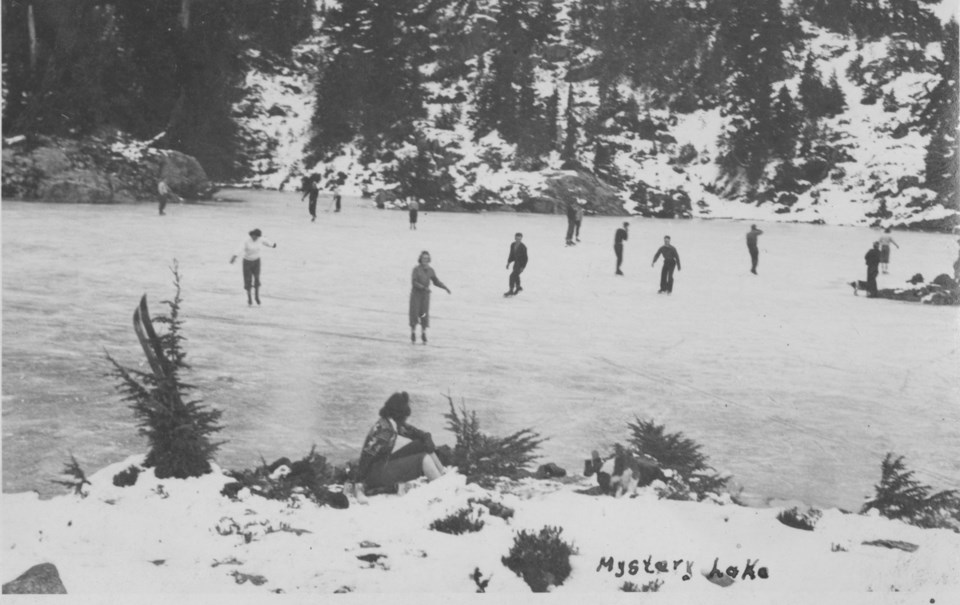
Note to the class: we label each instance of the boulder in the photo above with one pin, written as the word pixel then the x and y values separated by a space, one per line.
pixel 562 189
pixel 49 161
pixel 76 187
pixel 39 579
pixel 185 175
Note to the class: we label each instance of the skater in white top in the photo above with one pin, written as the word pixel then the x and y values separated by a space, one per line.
pixel 251 263
pixel 885 240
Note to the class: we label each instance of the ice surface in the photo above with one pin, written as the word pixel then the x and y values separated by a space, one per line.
pixel 791 383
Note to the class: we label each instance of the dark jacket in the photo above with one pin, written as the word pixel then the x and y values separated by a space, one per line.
pixel 518 255
pixel 620 237
pixel 380 440
pixel 669 254
pixel 872 258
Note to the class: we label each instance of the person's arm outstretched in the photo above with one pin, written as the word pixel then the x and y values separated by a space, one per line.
pixel 436 281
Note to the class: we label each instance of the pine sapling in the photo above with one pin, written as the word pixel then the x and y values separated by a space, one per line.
pixel 178 430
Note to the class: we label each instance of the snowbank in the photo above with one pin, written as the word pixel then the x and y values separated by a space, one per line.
pixel 182 537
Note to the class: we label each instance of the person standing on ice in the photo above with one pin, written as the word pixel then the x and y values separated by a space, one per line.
pixel 671 260
pixel 251 263
pixel 518 256
pixel 423 275
pixel 336 199
pixel 414 207
pixel 885 240
pixel 578 220
pixel 313 191
pixel 163 190
pixel 872 260
pixel 571 223
pixel 752 247
pixel 956 266
pixel 618 238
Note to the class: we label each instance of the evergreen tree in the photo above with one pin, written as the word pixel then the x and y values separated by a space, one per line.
pixel 939 117
pixel 814 96
pixel 834 99
pixel 855 70
pixel 569 152
pixel 552 118
pixel 178 431
pixel 786 124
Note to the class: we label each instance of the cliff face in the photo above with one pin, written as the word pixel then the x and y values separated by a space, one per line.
pixel 96 171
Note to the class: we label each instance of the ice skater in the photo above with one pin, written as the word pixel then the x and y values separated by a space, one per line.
pixel 423 275
pixel 671 260
pixel 618 238
pixel 165 195
pixel 251 263
pixel 571 223
pixel 414 207
pixel 578 220
pixel 313 191
pixel 956 265
pixel 518 256
pixel 872 260
pixel 752 247
pixel 885 240
pixel 336 199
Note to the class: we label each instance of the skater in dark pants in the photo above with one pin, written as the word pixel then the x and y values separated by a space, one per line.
pixel 423 275
pixel 752 247
pixel 518 256
pixel 671 260
pixel 414 207
pixel 251 264
pixel 336 200
pixel 578 220
pixel 619 237
pixel 872 260
pixel 313 191
pixel 166 195
pixel 571 223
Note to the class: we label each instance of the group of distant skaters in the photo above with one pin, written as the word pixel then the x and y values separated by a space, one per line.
pixel 423 275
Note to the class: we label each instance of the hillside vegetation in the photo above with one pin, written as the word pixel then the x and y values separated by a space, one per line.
pixel 840 112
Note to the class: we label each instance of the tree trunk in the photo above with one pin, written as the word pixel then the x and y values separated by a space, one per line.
pixel 32 32
pixel 185 14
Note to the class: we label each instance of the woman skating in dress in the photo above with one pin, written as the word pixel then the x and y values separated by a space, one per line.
pixel 423 275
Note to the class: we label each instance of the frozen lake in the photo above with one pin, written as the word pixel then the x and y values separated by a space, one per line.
pixel 790 383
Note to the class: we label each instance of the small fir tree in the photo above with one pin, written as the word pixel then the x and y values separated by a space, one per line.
pixel 178 430
pixel 483 458
pixel 900 496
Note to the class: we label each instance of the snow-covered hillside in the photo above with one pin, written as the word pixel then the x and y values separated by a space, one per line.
pixel 873 178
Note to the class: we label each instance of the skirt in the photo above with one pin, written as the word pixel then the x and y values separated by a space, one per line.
pixel 884 254
pixel 420 308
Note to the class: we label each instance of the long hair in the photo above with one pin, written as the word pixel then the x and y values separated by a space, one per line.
pixel 397 407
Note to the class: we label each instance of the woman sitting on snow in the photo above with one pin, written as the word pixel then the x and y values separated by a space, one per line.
pixel 395 452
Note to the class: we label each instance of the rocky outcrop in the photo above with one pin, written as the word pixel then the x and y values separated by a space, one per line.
pixel 573 187
pixel 39 579
pixel 96 171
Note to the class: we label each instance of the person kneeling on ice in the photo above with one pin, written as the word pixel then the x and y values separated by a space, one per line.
pixel 395 452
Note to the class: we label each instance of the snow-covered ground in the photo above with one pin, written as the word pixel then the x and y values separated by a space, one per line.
pixel 180 537
pixel 792 384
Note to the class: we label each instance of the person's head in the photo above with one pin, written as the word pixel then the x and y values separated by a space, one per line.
pixel 397 407
pixel 753 227
pixel 626 225
pixel 518 237
pixel 876 245
pixel 255 234
pixel 424 258
pixel 887 230
pixel 666 240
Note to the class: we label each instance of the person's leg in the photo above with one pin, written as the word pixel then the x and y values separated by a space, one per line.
pixel 663 277
pixel 313 209
pixel 163 203
pixel 425 316
pixel 670 267
pixel 248 279
pixel 618 250
pixel 256 280
pixel 513 281
pixel 518 271
pixel 414 314
pixel 431 470
pixel 754 258
pixel 577 231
